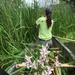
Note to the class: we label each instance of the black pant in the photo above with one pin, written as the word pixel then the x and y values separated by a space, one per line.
pixel 44 42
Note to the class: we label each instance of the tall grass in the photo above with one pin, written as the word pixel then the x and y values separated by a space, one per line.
pixel 64 20
pixel 16 27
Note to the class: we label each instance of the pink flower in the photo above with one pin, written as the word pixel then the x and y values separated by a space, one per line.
pixel 42 60
pixel 44 51
pixel 56 57
pixel 49 69
pixel 33 65
pixel 47 46
pixel 28 63
pixel 28 57
pixel 47 73
pixel 43 73
pixel 57 63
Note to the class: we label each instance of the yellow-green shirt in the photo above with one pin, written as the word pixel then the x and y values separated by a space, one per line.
pixel 44 32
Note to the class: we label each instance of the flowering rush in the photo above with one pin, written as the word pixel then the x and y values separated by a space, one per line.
pixel 57 63
pixel 48 70
pixel 28 61
pixel 42 61
pixel 44 50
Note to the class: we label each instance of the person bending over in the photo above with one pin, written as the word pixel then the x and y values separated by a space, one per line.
pixel 45 24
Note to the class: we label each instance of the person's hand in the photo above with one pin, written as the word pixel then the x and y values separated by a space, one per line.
pixel 54 20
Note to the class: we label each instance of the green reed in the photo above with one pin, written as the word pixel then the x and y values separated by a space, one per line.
pixel 64 18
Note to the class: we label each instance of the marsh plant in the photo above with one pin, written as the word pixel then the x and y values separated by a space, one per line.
pixel 44 65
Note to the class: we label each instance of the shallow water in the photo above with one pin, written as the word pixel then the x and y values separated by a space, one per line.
pixel 71 46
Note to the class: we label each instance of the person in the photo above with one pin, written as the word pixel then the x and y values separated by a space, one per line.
pixel 45 24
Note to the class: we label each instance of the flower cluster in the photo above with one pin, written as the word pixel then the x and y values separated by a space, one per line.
pixel 43 58
pixel 42 62
pixel 29 63
pixel 48 70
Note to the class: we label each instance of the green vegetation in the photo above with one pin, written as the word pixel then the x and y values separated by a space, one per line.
pixel 71 2
pixel 64 21
pixel 16 27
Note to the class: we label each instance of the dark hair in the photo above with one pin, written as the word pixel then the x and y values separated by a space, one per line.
pixel 48 15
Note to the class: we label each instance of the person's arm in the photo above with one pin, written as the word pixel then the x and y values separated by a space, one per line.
pixel 52 24
pixel 37 25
